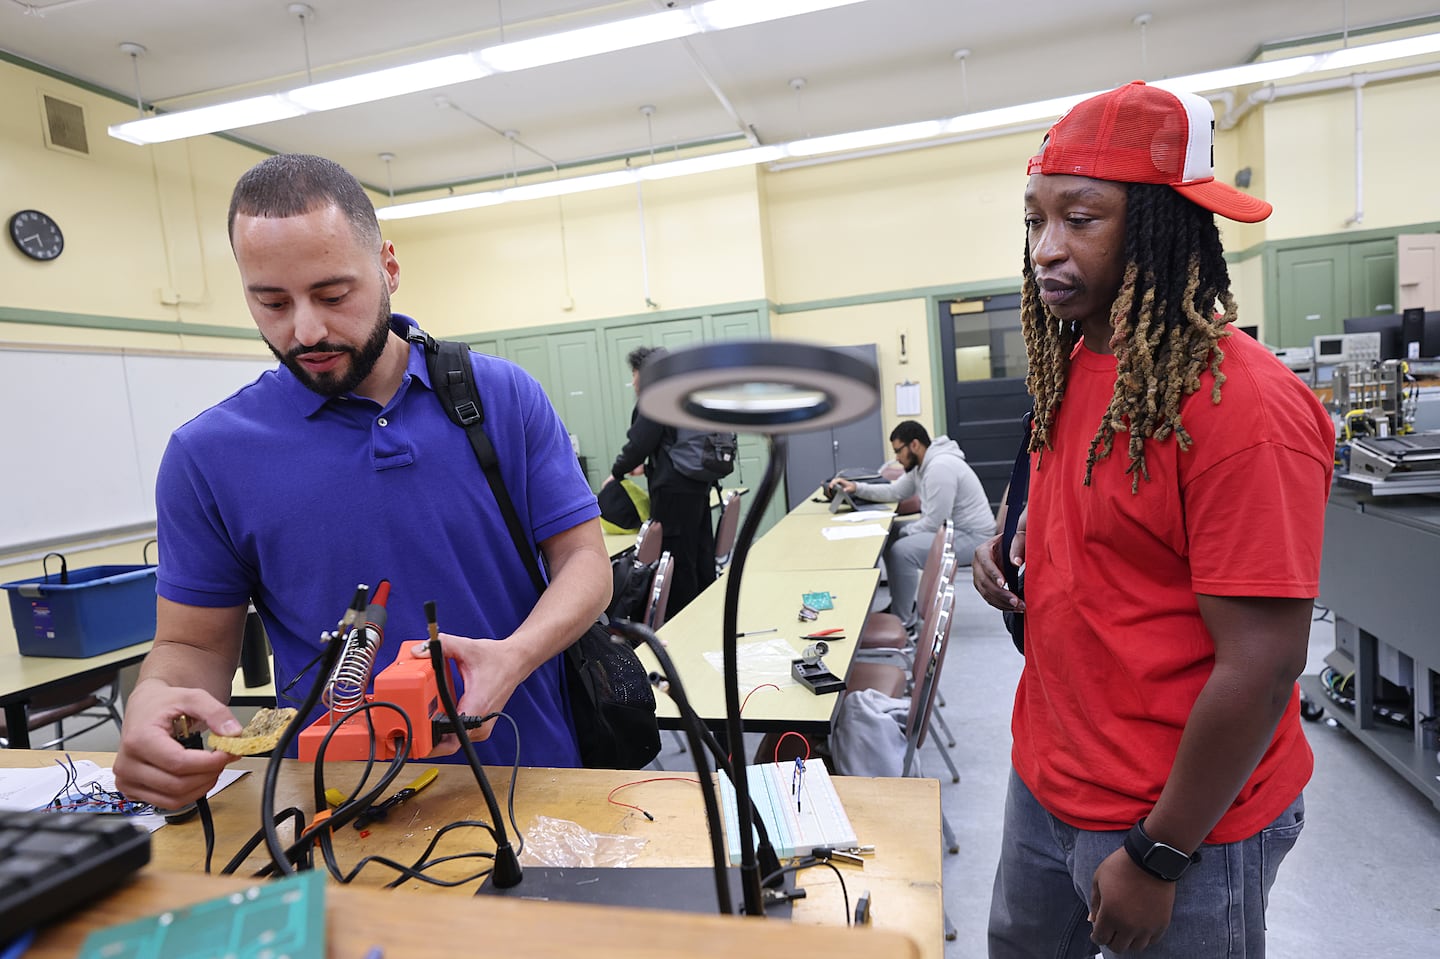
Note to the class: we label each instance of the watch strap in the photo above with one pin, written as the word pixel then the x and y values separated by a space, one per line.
pixel 1159 859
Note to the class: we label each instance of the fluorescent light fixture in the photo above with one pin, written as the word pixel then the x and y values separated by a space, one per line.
pixel 725 14
pixel 1267 71
pixel 367 87
pixel 710 16
pixel 710 162
pixel 590 41
pixel 997 119
pixel 1376 52
pixel 1011 116
pixel 860 139
pixel 580 184
pixel 221 116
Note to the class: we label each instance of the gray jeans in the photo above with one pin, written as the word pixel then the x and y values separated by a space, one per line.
pixel 905 560
pixel 1040 905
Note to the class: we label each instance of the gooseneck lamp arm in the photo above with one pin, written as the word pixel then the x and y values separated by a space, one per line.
pixel 734 728
pixel 771 388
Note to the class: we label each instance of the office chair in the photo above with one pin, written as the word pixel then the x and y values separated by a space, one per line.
pixel 725 531
pixel 659 592
pixel 649 542
pixel 884 631
pixel 924 685
pixel 94 698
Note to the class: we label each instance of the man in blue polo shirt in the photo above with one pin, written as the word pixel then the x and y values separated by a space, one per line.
pixel 341 467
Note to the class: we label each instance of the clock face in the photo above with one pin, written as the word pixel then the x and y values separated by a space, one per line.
pixel 37 236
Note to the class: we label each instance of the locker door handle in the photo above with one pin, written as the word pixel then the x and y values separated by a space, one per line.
pixel 1312 316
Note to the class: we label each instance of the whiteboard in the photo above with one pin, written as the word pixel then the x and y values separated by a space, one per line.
pixel 85 432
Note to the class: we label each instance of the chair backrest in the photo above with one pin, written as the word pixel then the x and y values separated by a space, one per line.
pixel 944 542
pixel 648 542
pixel 929 656
pixel 94 697
pixel 659 592
pixel 725 531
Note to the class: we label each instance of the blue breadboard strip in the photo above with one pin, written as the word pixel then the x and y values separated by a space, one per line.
pixel 285 917
pixel 820 819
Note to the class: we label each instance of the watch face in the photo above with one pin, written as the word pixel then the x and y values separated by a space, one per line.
pixel 36 235
pixel 1167 861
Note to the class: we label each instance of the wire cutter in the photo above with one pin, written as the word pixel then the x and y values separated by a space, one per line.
pixel 380 810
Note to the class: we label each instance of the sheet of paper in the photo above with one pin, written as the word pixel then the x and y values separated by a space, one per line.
pixel 767 661
pixel 853 532
pixel 35 788
pixel 907 399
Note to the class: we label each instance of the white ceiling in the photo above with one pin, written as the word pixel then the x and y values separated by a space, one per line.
pixel 871 64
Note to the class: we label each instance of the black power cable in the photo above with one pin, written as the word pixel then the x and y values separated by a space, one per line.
pixel 636 632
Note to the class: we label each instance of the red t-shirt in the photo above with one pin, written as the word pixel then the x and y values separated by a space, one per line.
pixel 1116 652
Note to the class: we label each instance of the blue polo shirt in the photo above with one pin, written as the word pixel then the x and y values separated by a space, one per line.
pixel 292 498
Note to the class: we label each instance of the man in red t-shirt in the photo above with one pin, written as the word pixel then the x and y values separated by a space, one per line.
pixel 1178 482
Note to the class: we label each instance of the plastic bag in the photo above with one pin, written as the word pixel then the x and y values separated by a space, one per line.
pixel 560 842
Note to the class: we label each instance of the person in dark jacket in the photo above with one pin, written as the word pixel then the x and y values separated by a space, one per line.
pixel 680 504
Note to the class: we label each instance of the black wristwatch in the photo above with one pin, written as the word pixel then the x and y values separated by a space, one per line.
pixel 1158 859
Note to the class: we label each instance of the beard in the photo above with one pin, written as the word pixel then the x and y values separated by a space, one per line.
pixel 362 360
pixel 910 466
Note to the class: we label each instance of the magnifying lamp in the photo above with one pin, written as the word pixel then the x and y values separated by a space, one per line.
pixel 772 388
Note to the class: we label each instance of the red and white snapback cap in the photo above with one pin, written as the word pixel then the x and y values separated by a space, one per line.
pixel 1143 134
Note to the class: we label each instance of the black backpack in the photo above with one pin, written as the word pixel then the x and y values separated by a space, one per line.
pixel 610 697
pixel 708 457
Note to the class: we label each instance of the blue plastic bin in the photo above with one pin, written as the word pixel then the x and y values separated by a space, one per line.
pixel 101 608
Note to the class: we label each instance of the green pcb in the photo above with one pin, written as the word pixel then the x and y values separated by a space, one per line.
pixel 285 917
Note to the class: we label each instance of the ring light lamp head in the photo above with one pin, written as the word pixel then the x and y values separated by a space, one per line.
pixel 763 386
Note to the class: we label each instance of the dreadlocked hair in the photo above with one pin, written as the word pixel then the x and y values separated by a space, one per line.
pixel 1166 332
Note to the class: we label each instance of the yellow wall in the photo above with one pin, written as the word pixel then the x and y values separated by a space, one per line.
pixel 923 218
pixel 1310 155
pixel 502 267
pixel 137 221
pixel 1247 283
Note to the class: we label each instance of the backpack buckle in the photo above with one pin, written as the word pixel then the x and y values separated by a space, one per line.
pixel 468 413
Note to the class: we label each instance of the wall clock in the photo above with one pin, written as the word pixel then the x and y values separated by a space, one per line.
pixel 36 235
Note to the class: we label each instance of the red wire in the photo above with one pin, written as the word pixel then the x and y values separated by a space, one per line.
pixel 787 735
pixel 610 798
pixel 752 693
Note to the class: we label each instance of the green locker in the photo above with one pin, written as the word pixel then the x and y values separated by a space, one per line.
pixel 1373 278
pixel 1314 293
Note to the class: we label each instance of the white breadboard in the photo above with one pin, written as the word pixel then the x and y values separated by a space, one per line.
pixel 820 820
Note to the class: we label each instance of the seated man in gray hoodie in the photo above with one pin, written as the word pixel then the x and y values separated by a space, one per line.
pixel 948 489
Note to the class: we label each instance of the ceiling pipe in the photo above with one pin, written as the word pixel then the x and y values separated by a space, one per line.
pixel 1269 93
pixel 1040 127
pixel 1358 216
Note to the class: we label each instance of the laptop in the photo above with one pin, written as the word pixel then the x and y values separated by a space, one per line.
pixel 841 500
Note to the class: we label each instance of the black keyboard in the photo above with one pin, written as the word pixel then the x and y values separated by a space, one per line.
pixel 54 863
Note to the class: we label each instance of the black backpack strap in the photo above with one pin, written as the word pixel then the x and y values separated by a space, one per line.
pixel 1015 502
pixel 453 379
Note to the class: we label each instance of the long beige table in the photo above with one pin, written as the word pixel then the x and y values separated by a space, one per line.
pixel 617 543
pixel 769 600
pixel 815 504
pixel 22 678
pixel 901 817
pixel 798 541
